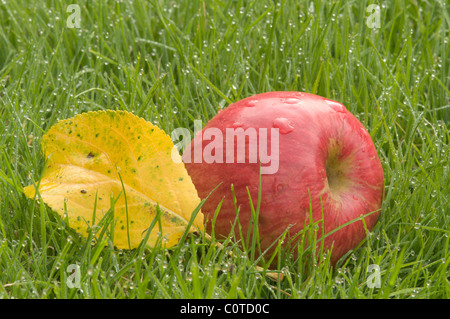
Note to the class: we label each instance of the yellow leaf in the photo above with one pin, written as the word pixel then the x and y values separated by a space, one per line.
pixel 96 155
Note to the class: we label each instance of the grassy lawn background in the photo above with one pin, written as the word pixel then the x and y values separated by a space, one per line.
pixel 175 61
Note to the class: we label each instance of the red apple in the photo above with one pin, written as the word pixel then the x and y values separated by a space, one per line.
pixel 324 163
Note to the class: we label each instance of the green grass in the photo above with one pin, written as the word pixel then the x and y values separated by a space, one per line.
pixel 175 61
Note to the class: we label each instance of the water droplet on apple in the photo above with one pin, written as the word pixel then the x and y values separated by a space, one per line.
pixel 251 103
pixel 280 188
pixel 237 124
pixel 283 125
pixel 291 100
pixel 338 107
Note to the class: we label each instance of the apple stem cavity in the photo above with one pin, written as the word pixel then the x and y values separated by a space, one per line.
pixel 337 168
